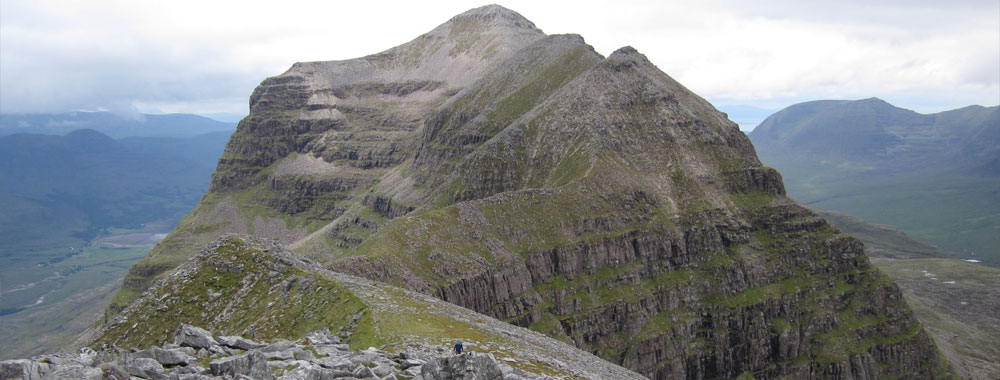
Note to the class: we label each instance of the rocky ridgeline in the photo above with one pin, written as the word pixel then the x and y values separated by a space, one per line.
pixel 196 354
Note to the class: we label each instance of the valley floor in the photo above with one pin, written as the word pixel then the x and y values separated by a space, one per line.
pixel 958 304
pixel 48 302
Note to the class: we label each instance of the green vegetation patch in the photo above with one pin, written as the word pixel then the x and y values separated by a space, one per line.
pixel 239 290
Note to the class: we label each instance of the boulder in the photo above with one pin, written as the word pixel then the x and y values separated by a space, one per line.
pixel 195 376
pixel 146 368
pixel 195 337
pixel 313 372
pixel 113 372
pixel 238 342
pixel 322 337
pixel 407 363
pixel 164 357
pixel 383 370
pixel 467 366
pixel 365 357
pixel 23 369
pixel 281 345
pixel 75 372
pixel 288 354
pixel 252 364
pixel 363 372
pixel 338 363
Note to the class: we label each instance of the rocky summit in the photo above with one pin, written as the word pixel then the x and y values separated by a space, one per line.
pixel 531 179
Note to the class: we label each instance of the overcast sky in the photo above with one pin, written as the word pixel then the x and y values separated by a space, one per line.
pixel 207 56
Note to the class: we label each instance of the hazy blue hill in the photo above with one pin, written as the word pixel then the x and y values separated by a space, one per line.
pixel 936 176
pixel 202 150
pixel 116 126
pixel 88 175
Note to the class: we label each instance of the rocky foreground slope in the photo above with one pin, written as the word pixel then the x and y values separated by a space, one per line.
pixel 196 355
pixel 529 178
pixel 268 313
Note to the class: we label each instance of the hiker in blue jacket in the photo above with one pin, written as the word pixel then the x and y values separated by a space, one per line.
pixel 458 347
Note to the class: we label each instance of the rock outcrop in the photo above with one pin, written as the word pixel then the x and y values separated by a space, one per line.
pixel 529 178
pixel 282 360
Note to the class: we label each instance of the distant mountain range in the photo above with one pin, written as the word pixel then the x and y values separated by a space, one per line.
pixel 114 125
pixel 936 176
pixel 85 181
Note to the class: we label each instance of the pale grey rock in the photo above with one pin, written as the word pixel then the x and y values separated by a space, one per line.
pixel 217 349
pixel 338 363
pixel 76 371
pixel 252 364
pixel 113 372
pixel 362 372
pixel 365 357
pixel 238 342
pixel 407 363
pixel 86 356
pixel 383 370
pixel 301 354
pixel 164 357
pixel 23 369
pixel 196 337
pixel 280 345
pixel 195 376
pixel 332 350
pixel 412 372
pixel 288 354
pixel 59 360
pixel 146 368
pixel 467 366
pixel 322 337
pixel 313 372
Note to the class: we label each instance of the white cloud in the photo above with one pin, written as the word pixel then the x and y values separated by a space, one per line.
pixel 205 57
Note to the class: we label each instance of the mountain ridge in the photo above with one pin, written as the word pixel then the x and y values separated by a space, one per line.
pixel 593 198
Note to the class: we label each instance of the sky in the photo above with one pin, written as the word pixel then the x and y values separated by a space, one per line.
pixel 206 57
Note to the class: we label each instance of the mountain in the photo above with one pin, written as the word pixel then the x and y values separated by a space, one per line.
pixel 935 176
pixel 111 124
pixel 77 211
pixel 527 177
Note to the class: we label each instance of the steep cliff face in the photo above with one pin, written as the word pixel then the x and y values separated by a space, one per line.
pixel 593 199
